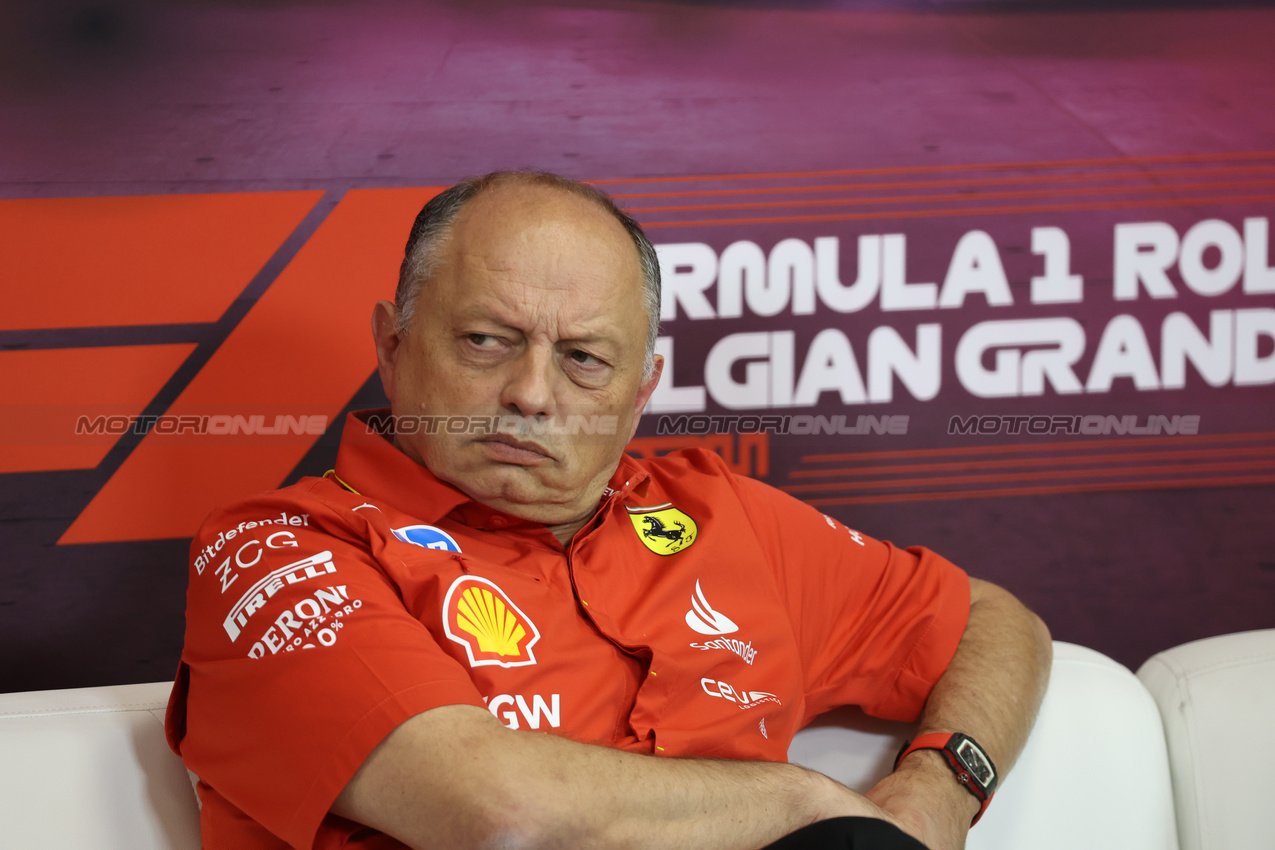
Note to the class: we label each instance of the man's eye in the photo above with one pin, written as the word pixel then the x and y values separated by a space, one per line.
pixel 584 358
pixel 482 340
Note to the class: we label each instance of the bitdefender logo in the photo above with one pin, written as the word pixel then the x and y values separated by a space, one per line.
pixel 703 619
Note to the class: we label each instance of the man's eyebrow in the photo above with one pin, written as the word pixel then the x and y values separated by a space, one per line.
pixel 592 338
pixel 482 312
pixel 609 335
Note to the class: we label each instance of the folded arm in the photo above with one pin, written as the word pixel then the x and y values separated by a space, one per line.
pixel 990 691
pixel 455 777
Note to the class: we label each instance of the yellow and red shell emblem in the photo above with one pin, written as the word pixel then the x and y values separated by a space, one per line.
pixel 480 617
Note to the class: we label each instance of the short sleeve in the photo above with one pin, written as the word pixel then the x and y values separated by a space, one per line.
pixel 876 625
pixel 299 659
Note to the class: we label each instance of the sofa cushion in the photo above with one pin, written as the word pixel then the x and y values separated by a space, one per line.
pixel 1217 699
pixel 89 768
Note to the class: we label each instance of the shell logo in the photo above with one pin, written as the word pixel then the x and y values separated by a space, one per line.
pixel 479 616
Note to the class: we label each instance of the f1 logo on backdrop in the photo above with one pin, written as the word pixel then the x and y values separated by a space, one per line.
pixel 302 350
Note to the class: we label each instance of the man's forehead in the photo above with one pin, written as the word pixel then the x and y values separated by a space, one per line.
pixel 517 207
pixel 526 254
pixel 543 235
pixel 533 310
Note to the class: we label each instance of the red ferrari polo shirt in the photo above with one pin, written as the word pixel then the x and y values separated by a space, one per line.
pixel 699 613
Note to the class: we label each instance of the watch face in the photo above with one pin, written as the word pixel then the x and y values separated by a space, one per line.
pixel 975 762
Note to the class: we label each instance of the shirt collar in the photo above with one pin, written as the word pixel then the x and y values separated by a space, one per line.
pixel 370 465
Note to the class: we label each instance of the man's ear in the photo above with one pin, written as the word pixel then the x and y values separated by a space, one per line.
pixel 644 392
pixel 386 338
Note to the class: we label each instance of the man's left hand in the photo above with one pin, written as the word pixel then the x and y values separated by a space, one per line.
pixel 928 802
pixel 990 691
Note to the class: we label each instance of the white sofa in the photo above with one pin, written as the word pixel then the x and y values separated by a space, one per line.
pixel 1217 698
pixel 89 769
pixel 1094 774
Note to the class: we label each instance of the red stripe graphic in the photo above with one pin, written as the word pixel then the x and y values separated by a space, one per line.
pixel 1103 471
pixel 1236 156
pixel 303 349
pixel 1069 178
pixel 147 260
pixel 972 190
pixel 967 465
pixel 1009 209
pixel 1011 194
pixel 1005 492
pixel 1135 463
pixel 45 392
pixel 1055 446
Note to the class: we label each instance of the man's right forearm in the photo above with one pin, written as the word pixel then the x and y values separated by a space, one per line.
pixel 455 777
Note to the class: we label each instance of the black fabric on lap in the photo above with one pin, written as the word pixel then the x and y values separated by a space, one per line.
pixel 848 834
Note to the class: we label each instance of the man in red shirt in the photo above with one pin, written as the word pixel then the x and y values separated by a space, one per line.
pixel 366 653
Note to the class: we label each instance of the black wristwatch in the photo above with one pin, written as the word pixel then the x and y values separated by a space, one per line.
pixel 967 759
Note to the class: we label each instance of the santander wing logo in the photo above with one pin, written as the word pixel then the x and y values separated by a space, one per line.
pixel 703 619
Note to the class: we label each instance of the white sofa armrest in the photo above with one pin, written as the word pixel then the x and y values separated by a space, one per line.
pixel 89 768
pixel 1217 700
pixel 1094 774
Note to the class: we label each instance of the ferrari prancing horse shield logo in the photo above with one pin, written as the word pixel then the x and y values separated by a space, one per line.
pixel 663 529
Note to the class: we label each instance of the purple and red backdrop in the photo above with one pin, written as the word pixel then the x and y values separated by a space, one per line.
pixel 995 279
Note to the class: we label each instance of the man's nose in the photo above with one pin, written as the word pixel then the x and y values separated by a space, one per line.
pixel 528 391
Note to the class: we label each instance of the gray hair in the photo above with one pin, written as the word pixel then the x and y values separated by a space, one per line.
pixel 433 228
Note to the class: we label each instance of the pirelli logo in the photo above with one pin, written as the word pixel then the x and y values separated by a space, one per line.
pixel 256 597
pixel 494 631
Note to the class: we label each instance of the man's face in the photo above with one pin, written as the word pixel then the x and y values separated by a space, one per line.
pixel 535 314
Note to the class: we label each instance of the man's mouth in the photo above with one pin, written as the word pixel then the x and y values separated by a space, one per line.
pixel 509 449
